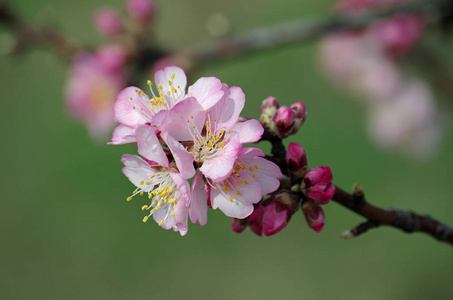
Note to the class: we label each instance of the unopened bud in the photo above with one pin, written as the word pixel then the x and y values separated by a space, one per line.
pixel 239 225
pixel 296 160
pixel 318 186
pixel 107 21
pixel 142 10
pixel 268 109
pixel 314 215
pixel 283 122
pixel 278 212
pixel 300 113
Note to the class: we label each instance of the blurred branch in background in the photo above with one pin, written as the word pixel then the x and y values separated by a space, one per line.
pixel 437 12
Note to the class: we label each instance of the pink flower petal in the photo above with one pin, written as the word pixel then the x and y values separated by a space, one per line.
pixel 249 131
pixel 122 135
pixel 207 90
pixel 199 205
pixel 124 108
pixel 150 147
pixel 183 159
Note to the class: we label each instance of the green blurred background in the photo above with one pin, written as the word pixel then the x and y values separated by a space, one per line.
pixel 67 231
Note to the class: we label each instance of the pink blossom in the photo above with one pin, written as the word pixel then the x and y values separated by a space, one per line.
pixel 318 186
pixel 107 21
pixel 134 108
pixel 252 178
pixel 91 89
pixel 167 189
pixel 314 215
pixel 141 10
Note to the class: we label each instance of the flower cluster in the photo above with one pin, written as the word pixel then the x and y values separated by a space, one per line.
pixel 304 188
pixel 365 61
pixel 96 77
pixel 194 134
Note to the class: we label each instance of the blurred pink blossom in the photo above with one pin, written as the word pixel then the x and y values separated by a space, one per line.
pixel 408 122
pixel 141 10
pixel 91 90
pixel 107 21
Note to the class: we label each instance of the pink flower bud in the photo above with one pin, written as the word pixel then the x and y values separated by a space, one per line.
pixel 296 160
pixel 314 214
pixel 299 110
pixel 239 225
pixel 283 121
pixel 107 21
pixel 142 10
pixel 255 220
pixel 268 109
pixel 276 216
pixel 318 186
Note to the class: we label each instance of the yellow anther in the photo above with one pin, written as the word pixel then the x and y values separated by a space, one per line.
pixel 160 223
pixel 225 182
pixel 133 107
pixel 172 213
pixel 134 192
pixel 129 198
pixel 169 83
pixel 172 76
pixel 153 210
pixel 238 193
pixel 149 82
pixel 193 126
pixel 256 167
pixel 191 117
pixel 155 202
pixel 144 207
pixel 229 131
pixel 159 87
pixel 207 111
pixel 254 176
pixel 131 98
pixel 188 121
pixel 231 198
pixel 142 182
pixel 208 128
pixel 239 182
pixel 145 219
pixel 168 93
pixel 207 122
pixel 150 196
pixel 217 137
pixel 152 176
pixel 215 187
pixel 246 182
pixel 148 183
pixel 141 193
pixel 221 131
pixel 251 169
pixel 159 207
pixel 226 188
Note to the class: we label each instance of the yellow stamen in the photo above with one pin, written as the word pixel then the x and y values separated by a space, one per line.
pixel 145 219
pixel 129 198
pixel 144 207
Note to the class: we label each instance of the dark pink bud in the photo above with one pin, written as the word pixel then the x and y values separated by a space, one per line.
pixel 268 109
pixel 314 214
pixel 299 110
pixel 107 21
pixel 141 10
pixel 317 185
pixel 296 160
pixel 255 220
pixel 239 225
pixel 276 216
pixel 111 58
pixel 283 121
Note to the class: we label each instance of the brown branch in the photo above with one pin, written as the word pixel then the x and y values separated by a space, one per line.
pixel 405 220
pixel 28 34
